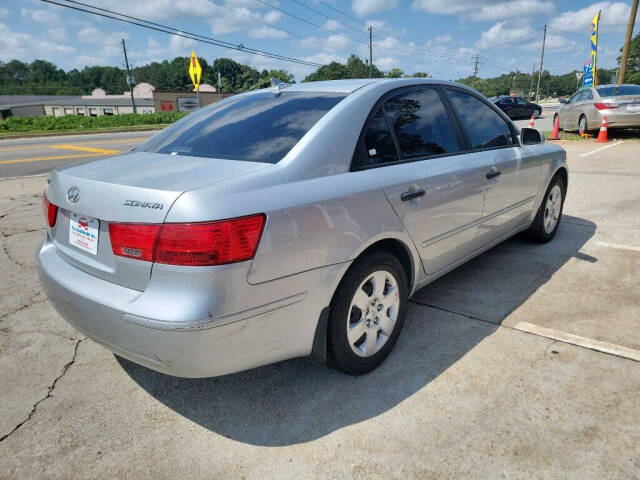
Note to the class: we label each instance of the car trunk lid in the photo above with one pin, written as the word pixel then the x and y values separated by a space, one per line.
pixel 137 187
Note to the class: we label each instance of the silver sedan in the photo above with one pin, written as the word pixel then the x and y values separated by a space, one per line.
pixel 586 109
pixel 292 221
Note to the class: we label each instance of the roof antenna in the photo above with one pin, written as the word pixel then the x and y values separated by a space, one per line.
pixel 278 85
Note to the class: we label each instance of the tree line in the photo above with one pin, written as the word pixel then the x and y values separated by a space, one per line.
pixel 41 77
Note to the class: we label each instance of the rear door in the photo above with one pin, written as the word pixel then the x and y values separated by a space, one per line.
pixel 513 180
pixel 412 142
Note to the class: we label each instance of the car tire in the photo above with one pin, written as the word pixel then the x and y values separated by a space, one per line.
pixel 537 113
pixel 361 333
pixel 584 128
pixel 545 224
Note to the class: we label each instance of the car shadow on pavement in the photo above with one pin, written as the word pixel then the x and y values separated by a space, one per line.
pixel 294 401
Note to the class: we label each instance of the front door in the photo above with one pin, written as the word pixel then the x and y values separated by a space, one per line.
pixel 512 180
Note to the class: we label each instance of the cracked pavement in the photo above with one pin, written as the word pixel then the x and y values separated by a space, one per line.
pixel 467 392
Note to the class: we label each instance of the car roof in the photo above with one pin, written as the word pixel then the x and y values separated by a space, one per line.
pixel 351 85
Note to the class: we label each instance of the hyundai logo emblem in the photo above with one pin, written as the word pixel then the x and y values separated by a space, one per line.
pixel 73 194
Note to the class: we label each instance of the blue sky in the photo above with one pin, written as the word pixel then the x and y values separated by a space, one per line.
pixel 437 36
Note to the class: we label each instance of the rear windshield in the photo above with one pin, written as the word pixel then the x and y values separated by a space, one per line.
pixel 617 91
pixel 260 127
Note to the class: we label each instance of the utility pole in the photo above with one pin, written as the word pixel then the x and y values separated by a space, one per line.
pixel 544 40
pixel 475 70
pixel 370 51
pixel 627 41
pixel 129 76
pixel 533 74
pixel 219 83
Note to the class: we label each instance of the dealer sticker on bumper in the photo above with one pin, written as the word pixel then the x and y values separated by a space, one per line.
pixel 83 233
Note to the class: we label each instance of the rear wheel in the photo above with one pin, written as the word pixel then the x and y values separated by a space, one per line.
pixel 537 113
pixel 367 313
pixel 545 225
pixel 582 124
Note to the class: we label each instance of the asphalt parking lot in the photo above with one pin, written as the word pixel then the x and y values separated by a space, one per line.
pixel 523 363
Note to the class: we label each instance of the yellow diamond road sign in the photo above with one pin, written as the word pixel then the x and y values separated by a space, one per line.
pixel 195 70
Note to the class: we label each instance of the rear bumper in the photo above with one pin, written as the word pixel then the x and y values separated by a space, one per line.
pixel 617 119
pixel 198 342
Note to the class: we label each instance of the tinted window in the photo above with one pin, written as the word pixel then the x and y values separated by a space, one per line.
pixel 575 98
pixel 586 95
pixel 484 127
pixel 379 142
pixel 520 101
pixel 421 124
pixel 260 127
pixel 621 90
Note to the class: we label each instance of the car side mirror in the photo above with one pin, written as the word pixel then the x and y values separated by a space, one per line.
pixel 531 136
pixel 562 100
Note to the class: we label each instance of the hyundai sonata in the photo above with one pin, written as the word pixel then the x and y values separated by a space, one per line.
pixel 291 221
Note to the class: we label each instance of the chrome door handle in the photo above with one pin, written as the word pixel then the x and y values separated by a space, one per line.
pixel 493 174
pixel 411 194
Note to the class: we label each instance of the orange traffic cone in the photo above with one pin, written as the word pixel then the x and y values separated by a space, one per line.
pixel 556 129
pixel 531 122
pixel 602 135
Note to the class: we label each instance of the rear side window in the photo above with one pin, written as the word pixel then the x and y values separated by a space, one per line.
pixel 260 127
pixel 586 95
pixel 421 124
pixel 484 127
pixel 378 142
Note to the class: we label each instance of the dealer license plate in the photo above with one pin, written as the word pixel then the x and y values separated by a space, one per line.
pixel 83 233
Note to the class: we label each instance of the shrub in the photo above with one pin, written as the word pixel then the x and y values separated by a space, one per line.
pixel 80 122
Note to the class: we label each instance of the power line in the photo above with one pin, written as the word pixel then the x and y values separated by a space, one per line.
pixel 306 21
pixel 324 45
pixel 177 32
pixel 327 16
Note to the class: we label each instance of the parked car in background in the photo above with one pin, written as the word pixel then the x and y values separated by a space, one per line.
pixel 292 221
pixel 587 107
pixel 516 107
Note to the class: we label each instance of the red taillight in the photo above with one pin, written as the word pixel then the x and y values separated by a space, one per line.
pixel 50 210
pixel 133 240
pixel 190 244
pixel 603 106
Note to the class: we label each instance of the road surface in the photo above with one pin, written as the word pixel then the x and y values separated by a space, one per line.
pixel 31 156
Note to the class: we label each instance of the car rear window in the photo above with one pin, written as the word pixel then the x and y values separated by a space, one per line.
pixel 617 91
pixel 260 127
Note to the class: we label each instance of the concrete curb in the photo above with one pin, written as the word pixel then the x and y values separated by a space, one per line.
pixel 88 132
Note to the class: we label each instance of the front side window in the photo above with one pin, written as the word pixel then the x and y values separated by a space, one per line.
pixel 575 98
pixel 421 124
pixel 586 95
pixel 260 127
pixel 520 101
pixel 484 127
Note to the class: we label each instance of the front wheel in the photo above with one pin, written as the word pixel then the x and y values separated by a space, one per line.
pixel 537 113
pixel 367 313
pixel 582 124
pixel 545 225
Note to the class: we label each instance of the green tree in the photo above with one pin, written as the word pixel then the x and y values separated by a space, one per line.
pixel 395 73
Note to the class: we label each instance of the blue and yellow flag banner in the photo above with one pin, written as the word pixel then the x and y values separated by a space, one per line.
pixel 594 47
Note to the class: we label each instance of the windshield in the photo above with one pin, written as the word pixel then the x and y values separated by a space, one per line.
pixel 617 91
pixel 260 127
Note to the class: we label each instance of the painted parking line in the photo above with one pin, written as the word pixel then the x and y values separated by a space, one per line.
pixel 604 347
pixel 619 246
pixel 43 159
pixel 601 149
pixel 80 148
pixel 53 145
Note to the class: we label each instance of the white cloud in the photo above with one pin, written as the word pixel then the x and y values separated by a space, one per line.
pixel 181 46
pixel 385 63
pixel 367 7
pixel 59 34
pixel 3 12
pixel 332 25
pixel 554 42
pixel 265 32
pixel 615 15
pixel 41 16
pixel 339 42
pixel 26 47
pixel 447 7
pixel 503 33
pixel 512 9
pixel 438 41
